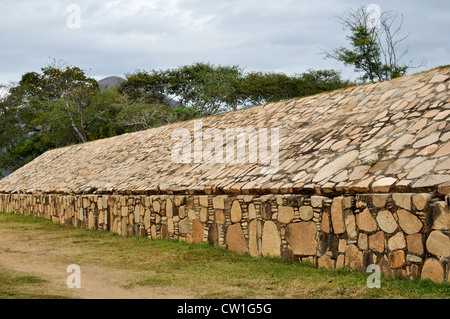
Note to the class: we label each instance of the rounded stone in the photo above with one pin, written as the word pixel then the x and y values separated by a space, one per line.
pixel 409 222
pixel 433 270
pixel 386 221
pixel 306 213
pixel 236 212
pixel 438 244
pixel 285 214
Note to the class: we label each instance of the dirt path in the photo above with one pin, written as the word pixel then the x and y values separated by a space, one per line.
pixel 19 252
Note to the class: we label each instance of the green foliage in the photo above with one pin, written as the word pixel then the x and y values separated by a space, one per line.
pixel 365 54
pixel 210 89
pixel 142 86
pixel 62 105
pixel 24 152
pixel 373 48
pixel 206 88
pixel 261 88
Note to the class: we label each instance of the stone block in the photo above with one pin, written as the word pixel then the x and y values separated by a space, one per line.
pixel 169 208
pixel 326 223
pixel 340 261
pixel 190 203
pixel 420 201
pixel 350 224
pixel 409 222
pixel 383 185
pixel 302 238
pixel 156 206
pixel 397 241
pixel 192 215
pixel 397 259
pixel 363 241
pixel 386 221
pixel 251 211
pixel 365 221
pixel 170 225
pixel 197 232
pixel 147 216
pixel 203 201
pixel 266 211
pixel 433 270
pixel 306 213
pixel 402 200
pixel 317 201
pixel 376 242
pixel 354 258
pixel 438 217
pixel 438 244
pixel 337 215
pixel 236 240
pixel 325 262
pixel 220 217
pixel 285 214
pixel 253 239
pixel 236 212
pixel 379 200
pixel 271 240
pixel 414 244
pixel 183 226
pixel 218 202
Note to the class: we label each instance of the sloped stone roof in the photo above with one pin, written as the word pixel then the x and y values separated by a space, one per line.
pixel 389 136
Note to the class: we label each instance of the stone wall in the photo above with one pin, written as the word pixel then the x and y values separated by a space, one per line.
pixel 407 235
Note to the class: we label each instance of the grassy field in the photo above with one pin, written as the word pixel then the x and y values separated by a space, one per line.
pixel 196 271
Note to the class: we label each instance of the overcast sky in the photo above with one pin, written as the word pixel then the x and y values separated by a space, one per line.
pixel 115 37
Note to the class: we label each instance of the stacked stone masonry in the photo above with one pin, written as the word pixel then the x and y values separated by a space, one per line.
pixel 363 178
pixel 407 235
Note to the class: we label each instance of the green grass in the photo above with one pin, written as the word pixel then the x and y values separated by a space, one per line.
pixel 206 271
pixel 18 285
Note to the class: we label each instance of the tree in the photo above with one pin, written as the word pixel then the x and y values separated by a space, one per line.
pixel 374 41
pixel 261 87
pixel 66 93
pixel 145 87
pixel 56 107
pixel 207 88
pixel 264 87
pixel 203 87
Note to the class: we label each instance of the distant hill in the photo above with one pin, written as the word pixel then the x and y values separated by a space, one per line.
pixel 110 81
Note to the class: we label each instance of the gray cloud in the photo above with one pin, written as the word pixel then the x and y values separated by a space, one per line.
pixel 120 36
